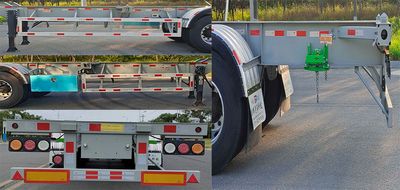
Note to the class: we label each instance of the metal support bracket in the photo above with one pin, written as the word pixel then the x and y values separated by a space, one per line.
pixel 383 100
pixel 12 30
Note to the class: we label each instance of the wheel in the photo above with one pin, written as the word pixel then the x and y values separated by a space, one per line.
pixel 230 114
pixel 11 90
pixel 39 94
pixel 164 28
pixel 272 91
pixel 199 35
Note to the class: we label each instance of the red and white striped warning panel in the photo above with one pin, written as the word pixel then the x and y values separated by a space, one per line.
pixel 145 177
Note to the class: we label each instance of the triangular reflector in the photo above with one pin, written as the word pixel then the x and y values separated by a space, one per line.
pixel 193 179
pixel 17 176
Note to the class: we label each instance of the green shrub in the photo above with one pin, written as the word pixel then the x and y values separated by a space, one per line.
pixel 2 19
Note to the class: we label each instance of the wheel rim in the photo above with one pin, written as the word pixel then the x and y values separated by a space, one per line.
pixel 206 34
pixel 5 90
pixel 219 123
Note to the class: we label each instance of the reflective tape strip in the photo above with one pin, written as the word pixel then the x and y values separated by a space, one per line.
pixel 354 32
pixel 255 32
pixel 103 76
pixel 298 33
pixel 104 34
pixel 163 89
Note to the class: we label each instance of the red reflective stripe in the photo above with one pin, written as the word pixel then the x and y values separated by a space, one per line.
pixel 169 128
pixel 91 172
pixel 301 33
pixel 144 34
pixel 116 177
pixel 179 24
pixel 116 89
pixel 236 57
pixel 135 65
pixel 179 75
pixel 115 173
pixel 71 9
pixel 179 89
pixel 92 177
pixel 117 19
pixel 32 65
pixel 7 7
pixel 88 8
pixel 100 75
pixel 142 148
pixel 155 9
pixel 117 65
pixel 255 32
pixel 43 126
pixel 204 62
pixel 106 9
pixel 157 89
pixel 173 65
pixel 89 34
pixel 157 75
pixel 94 127
pixel 323 32
pixel 30 18
pixel 83 86
pixel 351 32
pixel 30 33
pixel 137 89
pixel 279 32
pixel 102 89
pixel 168 34
pixel 191 84
pixel 137 75
pixel 145 19
pixel 89 19
pixel 115 76
pixel 60 18
pixel 181 9
pixel 64 65
pixel 60 34
pixel 69 147
pixel 152 65
pixel 168 20
pixel 116 34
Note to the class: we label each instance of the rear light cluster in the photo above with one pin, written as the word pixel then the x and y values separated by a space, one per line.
pixel 185 147
pixel 29 144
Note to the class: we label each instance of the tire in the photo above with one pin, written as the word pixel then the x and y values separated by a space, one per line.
pixel 272 91
pixel 231 137
pixel 196 32
pixel 18 90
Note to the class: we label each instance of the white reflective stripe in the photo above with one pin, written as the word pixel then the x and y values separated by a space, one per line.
pixel 291 33
pixel 270 33
pixel 314 34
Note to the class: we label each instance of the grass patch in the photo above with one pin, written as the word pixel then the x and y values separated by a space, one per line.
pixel 2 19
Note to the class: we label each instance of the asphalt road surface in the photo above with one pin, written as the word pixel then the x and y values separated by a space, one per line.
pixel 341 143
pixel 202 163
pixel 117 101
pixel 95 45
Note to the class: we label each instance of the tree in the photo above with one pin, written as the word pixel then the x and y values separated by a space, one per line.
pixel 185 117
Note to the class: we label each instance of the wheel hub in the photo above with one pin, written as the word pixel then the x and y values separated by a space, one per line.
pixel 206 34
pixel 5 90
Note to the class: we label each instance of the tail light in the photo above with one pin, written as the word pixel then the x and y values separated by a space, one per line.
pixel 43 145
pixel 15 145
pixel 58 160
pixel 183 148
pixel 14 125
pixel 169 148
pixel 197 148
pixel 29 145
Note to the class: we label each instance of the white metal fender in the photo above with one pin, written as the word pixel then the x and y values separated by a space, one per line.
pixel 19 71
pixel 190 16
